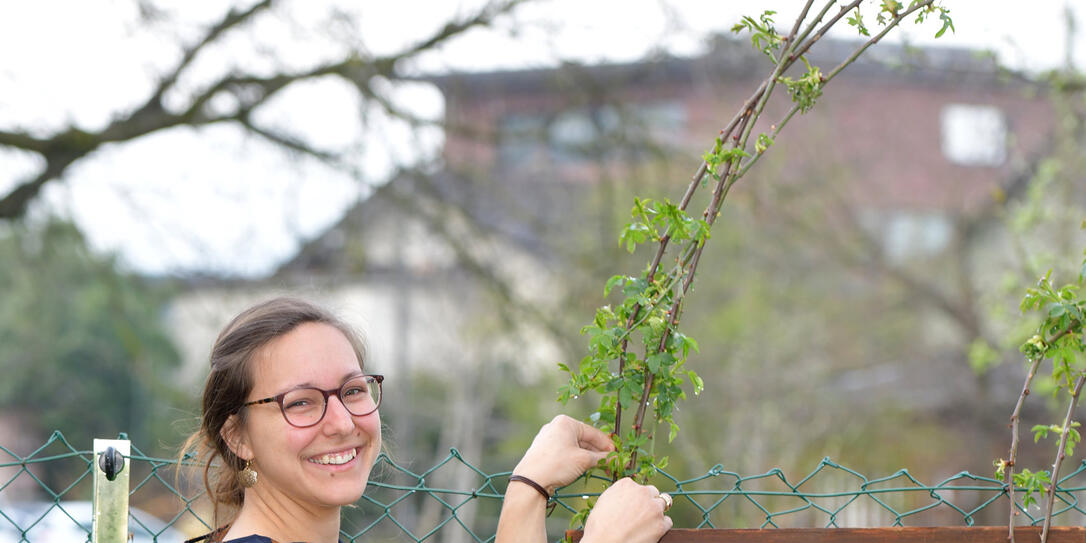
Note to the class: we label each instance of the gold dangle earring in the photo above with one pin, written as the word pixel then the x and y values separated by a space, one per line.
pixel 247 476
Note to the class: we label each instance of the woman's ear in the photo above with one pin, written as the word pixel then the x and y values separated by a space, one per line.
pixel 235 438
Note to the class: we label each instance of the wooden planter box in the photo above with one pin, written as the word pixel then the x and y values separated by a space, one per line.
pixel 962 534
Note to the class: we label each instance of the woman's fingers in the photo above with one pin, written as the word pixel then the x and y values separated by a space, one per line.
pixel 562 450
pixel 593 439
pixel 628 513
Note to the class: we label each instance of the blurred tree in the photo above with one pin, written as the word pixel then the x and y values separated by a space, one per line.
pixel 82 349
pixel 242 94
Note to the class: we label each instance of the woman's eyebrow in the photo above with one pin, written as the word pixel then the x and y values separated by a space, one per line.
pixel 346 377
pixel 353 374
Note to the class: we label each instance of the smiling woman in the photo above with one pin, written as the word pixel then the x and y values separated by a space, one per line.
pixel 289 455
pixel 290 430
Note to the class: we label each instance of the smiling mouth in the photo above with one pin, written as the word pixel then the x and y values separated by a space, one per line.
pixel 335 459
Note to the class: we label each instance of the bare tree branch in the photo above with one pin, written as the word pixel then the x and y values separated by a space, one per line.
pixel 485 16
pixel 72 144
pixel 232 19
pixel 20 140
pixel 292 143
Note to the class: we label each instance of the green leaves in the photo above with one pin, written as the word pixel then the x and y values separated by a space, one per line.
pixel 643 315
pixel 628 393
pixel 890 8
pixel 763 37
pixel 944 17
pixel 857 20
pixel 634 234
pixel 695 380
pixel 763 143
pixel 653 221
pixel 1064 314
pixel 807 89
pixel 659 360
pixel 614 280
pixel 719 156
pixel 1041 431
pixel 1033 483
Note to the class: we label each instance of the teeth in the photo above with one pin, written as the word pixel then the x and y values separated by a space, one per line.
pixel 335 459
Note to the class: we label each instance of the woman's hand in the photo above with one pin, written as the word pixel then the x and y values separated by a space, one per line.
pixel 562 451
pixel 627 513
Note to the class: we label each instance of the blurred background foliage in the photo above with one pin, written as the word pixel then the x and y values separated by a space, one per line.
pixel 82 344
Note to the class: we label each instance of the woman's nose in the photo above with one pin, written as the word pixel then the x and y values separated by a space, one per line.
pixel 336 416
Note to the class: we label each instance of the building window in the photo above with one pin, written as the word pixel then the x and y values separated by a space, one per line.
pixel 916 234
pixel 905 235
pixel 580 135
pixel 974 135
pixel 583 134
pixel 519 139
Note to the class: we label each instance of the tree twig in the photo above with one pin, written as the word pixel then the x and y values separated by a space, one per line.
pixel 1061 453
pixel 1012 456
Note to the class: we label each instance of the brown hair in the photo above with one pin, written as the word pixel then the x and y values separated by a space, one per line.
pixel 230 382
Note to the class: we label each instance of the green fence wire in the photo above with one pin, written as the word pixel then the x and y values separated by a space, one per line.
pixel 41 493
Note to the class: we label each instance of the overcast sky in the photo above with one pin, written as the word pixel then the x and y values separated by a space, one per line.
pixel 215 200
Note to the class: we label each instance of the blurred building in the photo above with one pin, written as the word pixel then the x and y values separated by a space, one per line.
pixel 919 135
pixel 458 272
pixel 524 150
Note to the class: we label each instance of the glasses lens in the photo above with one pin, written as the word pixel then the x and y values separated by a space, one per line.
pixel 303 407
pixel 361 395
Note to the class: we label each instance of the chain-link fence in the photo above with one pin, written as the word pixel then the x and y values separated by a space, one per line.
pixel 43 499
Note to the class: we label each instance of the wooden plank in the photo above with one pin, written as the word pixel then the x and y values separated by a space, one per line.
pixel 956 534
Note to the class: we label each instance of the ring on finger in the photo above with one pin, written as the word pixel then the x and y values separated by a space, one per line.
pixel 668 501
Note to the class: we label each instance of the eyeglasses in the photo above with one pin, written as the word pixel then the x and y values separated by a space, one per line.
pixel 305 407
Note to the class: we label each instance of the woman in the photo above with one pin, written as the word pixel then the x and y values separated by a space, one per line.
pixel 291 421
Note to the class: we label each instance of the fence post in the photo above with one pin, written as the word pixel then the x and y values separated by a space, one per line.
pixel 111 490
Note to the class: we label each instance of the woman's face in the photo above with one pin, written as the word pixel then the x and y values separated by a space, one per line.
pixel 327 464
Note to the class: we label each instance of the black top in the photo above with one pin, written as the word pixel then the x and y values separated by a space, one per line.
pixel 215 537
pixel 254 539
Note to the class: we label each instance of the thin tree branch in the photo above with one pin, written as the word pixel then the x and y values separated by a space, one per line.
pixel 1012 456
pixel 1061 453
pixel 230 20
pixel 297 145
pixel 22 140
pixel 485 16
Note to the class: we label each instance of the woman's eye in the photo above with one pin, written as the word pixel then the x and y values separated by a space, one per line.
pixel 297 404
pixel 354 390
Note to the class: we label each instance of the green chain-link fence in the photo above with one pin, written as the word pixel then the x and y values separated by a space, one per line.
pixel 40 497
